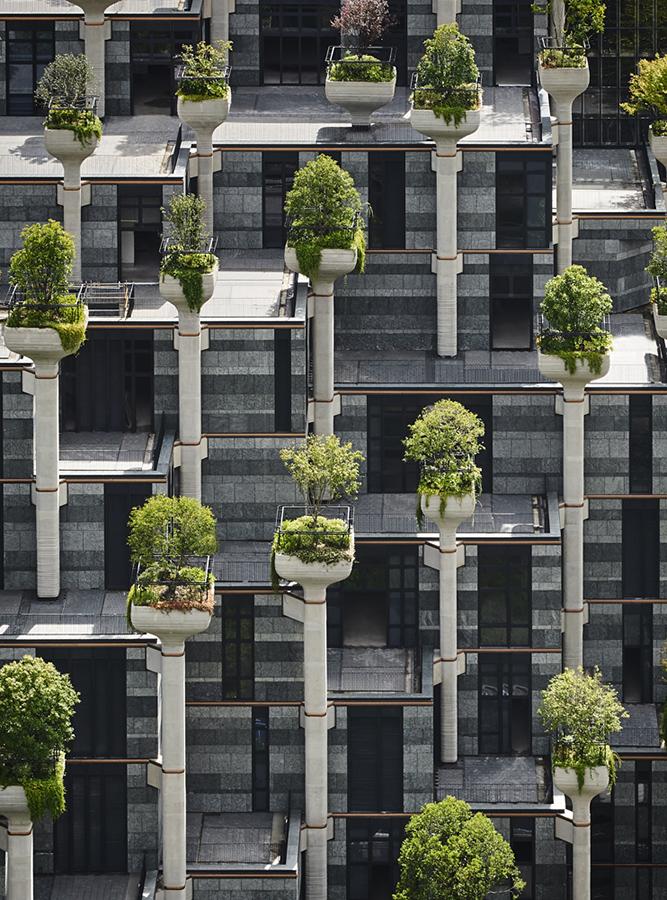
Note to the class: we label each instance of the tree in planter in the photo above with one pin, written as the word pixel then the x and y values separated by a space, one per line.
pixel 449 852
pixel 325 471
pixel 186 260
pixel 63 89
pixel 580 712
pixel 572 24
pixel 447 76
pixel 41 271
pixel 648 93
pixel 361 23
pixel 204 75
pixel 165 533
pixel 575 304
pixel 36 707
pixel 444 441
pixel 657 267
pixel 324 208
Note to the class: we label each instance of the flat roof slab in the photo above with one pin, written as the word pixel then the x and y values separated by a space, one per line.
pixel 493 779
pixel 605 180
pixel 229 838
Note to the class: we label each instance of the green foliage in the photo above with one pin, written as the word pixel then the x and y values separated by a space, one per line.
pixel 444 440
pixel 184 216
pixel 449 852
pixel 572 23
pixel 167 530
pixel 203 75
pixel 572 57
pixel 41 270
pixel 648 92
pixel 659 297
pixel 36 708
pixel 83 122
pixel 659 127
pixel 356 67
pixel 187 269
pixel 311 539
pixel 657 266
pixel 575 304
pixel 323 208
pixel 67 80
pixel 323 469
pixel 581 712
pixel 447 75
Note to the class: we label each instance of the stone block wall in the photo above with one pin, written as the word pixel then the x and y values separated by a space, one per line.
pixel 117 70
pixel 617 252
pixel 237 200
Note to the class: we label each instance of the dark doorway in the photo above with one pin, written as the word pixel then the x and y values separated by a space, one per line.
pixel 504 704
pixel 153 51
pixel 277 177
pixel 513 41
pixel 375 759
pixel 108 385
pixel 386 196
pixel 30 47
pixel 139 231
pixel 641 548
pixel 372 858
pixel 119 500
pixel 511 297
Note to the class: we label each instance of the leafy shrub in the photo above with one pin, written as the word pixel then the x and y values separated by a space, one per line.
pixel 444 441
pixel 449 852
pixel 203 75
pixel 362 23
pixel 575 304
pixel 657 267
pixel 323 207
pixel 187 269
pixel 447 75
pixel 37 704
pixel 573 57
pixel 322 467
pixel 66 83
pixel 184 259
pixel 41 270
pixel 648 92
pixel 356 67
pixel 312 539
pixel 572 23
pixel 83 122
pixel 581 712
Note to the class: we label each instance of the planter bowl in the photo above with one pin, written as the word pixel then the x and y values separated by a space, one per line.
pixel 553 368
pixel 658 144
pixel 13 801
pixel 333 263
pixel 457 509
pixel 596 780
pixel 313 575
pixel 426 121
pixel 65 146
pixel 171 290
pixel 564 84
pixel 360 98
pixel 206 114
pixel 659 321
pixel 173 624
pixel 42 345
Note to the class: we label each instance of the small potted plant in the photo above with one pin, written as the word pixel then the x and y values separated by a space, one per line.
pixel 563 66
pixel 171 540
pixel 313 545
pixel 657 267
pixel 573 344
pixel 581 712
pixel 72 128
pixel 326 238
pixel 37 704
pixel 204 94
pixel 444 441
pixel 189 269
pixel 446 98
pixel 361 77
pixel 43 316
pixel 648 96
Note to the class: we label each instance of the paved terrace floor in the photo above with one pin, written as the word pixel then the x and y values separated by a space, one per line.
pixel 74 615
pixel 241 838
pixel 640 730
pixel 605 181
pixel 481 780
pixel 87 887
pixel 130 148
pixel 114 451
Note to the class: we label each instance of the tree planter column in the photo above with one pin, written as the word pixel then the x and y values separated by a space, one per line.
pixel 95 34
pixel 564 86
pixel 447 263
pixel 172 628
pixel 317 714
pixel 204 116
pixel 220 13
pixel 448 517
pixel 188 341
pixel 574 409
pixel 596 781
pixel 67 149
pixel 18 859
pixel 333 264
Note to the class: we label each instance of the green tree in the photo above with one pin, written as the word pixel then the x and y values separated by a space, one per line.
pixel 447 75
pixel 184 216
pixel 324 470
pixel 648 90
pixel 168 530
pixel 67 80
pixel 575 301
pixel 450 853
pixel 42 268
pixel 204 71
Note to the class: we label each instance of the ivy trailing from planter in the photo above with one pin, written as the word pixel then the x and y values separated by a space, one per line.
pixel 444 441
pixel 188 269
pixel 312 540
pixel 447 76
pixel 575 304
pixel 324 208
pixel 83 122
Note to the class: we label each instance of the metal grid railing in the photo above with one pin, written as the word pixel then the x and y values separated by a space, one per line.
pixel 108 298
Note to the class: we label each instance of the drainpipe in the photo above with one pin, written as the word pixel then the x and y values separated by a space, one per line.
pixel 95 32
pixel 67 149
pixel 18 858
pixel 447 670
pixel 333 264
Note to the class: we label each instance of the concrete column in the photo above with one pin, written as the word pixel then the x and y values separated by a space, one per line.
pixel 67 149
pixel 94 37
pixel 574 410
pixel 18 859
pixel 220 12
pixel 446 11
pixel 204 117
pixel 323 357
pixel 47 477
pixel 596 781
pixel 448 517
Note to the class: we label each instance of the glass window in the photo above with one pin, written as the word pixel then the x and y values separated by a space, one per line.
pixel 375 759
pixel 29 48
pixel 522 842
pixel 260 759
pixel 513 41
pixel 504 704
pixel 511 299
pixel 638 653
pixel 238 636
pixel 386 196
pixel 153 51
pixel 640 548
pixel 523 200
pixel 504 592
pixel 641 443
pixel 277 178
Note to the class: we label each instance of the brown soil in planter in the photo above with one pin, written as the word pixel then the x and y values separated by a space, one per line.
pixel 183 598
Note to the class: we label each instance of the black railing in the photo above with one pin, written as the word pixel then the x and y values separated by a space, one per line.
pixel 190 83
pixel 465 95
pixel 381 55
pixel 545 331
pixel 108 298
pixel 168 246
pixel 320 228
pixel 159 441
pixel 175 566
pixel 38 768
pixel 175 153
pixel 561 50
pixel 290 513
pixel 81 104
pixel 16 300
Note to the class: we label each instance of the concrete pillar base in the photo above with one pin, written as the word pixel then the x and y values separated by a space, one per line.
pixel 18 859
pixel 596 781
